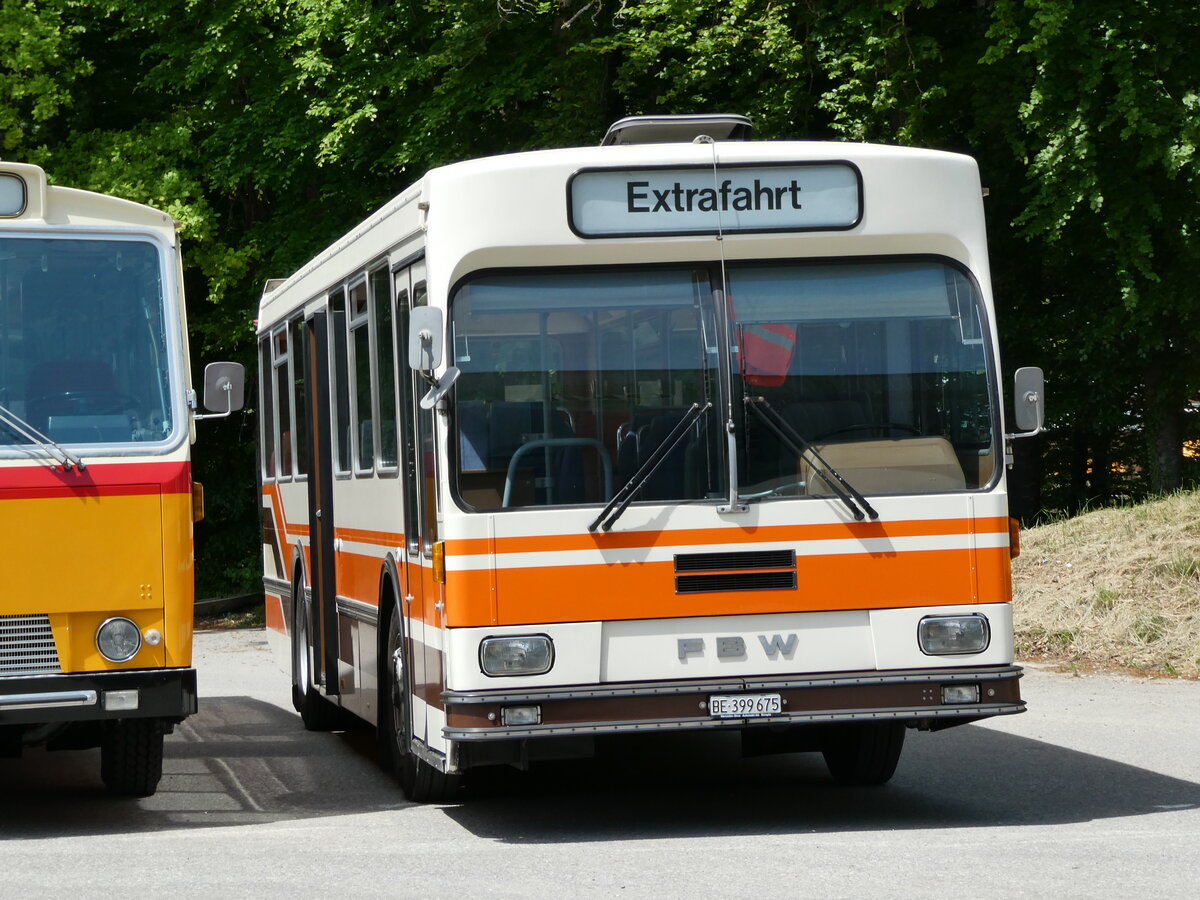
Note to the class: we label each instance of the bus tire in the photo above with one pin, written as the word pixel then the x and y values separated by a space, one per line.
pixel 421 782
pixel 317 713
pixel 131 757
pixel 864 753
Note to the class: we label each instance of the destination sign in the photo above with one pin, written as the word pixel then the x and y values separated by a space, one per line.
pixel 699 200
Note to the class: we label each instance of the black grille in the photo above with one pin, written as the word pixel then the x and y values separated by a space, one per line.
pixel 735 581
pixel 726 562
pixel 27 645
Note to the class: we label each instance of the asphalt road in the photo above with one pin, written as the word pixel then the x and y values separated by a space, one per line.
pixel 1095 792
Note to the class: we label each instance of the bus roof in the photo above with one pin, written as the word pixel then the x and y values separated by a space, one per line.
pixel 27 198
pixel 512 210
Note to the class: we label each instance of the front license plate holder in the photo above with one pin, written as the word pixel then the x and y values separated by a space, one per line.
pixel 744 706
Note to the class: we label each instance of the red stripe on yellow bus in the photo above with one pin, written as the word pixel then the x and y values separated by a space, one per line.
pixel 97 480
pixel 585 593
pixel 627 540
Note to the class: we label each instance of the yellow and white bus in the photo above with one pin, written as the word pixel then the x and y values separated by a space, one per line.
pixel 679 432
pixel 96 493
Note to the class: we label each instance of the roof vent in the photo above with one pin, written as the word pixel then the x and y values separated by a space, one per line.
pixel 677 129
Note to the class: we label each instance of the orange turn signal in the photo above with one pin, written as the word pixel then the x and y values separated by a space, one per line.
pixel 439 562
pixel 1014 538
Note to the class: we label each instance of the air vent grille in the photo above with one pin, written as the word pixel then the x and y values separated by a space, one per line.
pixel 27 645
pixel 735 581
pixel 727 561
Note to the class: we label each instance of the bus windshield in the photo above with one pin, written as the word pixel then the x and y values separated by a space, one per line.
pixel 83 348
pixel 882 367
pixel 571 381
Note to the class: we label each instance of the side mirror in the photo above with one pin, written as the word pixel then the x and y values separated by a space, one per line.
pixel 1029 401
pixel 224 389
pixel 425 338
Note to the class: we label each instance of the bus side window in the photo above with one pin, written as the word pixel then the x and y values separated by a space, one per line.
pixel 381 307
pixel 428 451
pixel 341 380
pixel 283 429
pixel 266 421
pixel 299 394
pixel 360 362
pixel 407 419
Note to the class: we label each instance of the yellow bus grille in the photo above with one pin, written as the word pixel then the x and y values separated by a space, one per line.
pixel 27 645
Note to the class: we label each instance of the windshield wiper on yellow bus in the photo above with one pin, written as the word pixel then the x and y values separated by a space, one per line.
pixel 27 431
pixel 842 489
pixel 622 498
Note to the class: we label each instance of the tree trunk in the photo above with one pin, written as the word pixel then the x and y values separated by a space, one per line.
pixel 1163 430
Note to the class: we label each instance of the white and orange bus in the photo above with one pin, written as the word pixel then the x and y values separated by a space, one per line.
pixel 683 431
pixel 96 493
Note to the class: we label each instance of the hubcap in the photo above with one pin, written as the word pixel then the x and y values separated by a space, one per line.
pixel 399 704
pixel 302 648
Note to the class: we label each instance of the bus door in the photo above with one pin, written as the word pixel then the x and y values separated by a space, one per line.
pixel 322 561
pixel 422 602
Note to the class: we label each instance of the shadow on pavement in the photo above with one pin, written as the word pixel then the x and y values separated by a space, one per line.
pixel 962 778
pixel 237 761
pixel 242 761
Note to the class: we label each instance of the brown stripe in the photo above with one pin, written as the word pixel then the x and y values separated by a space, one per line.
pixel 800 702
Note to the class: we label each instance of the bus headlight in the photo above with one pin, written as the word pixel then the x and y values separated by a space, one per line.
pixel 948 635
pixel 530 654
pixel 118 640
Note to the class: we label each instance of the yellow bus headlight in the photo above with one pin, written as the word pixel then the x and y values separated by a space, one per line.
pixel 118 639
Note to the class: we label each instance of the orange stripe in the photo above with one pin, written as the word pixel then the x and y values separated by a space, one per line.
pixel 362 536
pixel 358 577
pixel 358 535
pixel 733 535
pixel 609 592
pixel 274 613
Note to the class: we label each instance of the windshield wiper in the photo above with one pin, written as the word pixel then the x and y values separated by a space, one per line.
pixel 843 489
pixel 622 498
pixel 23 428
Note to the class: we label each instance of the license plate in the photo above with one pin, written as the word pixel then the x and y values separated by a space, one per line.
pixel 745 706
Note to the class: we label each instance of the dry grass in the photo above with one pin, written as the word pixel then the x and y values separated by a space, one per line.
pixel 1114 588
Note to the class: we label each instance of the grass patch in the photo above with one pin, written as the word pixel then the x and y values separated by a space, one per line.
pixel 254 617
pixel 1114 588
pixel 1105 600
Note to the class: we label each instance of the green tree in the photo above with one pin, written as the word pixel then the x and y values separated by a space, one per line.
pixel 1107 135
pixel 268 127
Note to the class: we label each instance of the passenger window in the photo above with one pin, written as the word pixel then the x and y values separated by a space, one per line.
pixel 300 400
pixel 360 349
pixel 428 452
pixel 283 432
pixel 266 421
pixel 381 304
pixel 341 380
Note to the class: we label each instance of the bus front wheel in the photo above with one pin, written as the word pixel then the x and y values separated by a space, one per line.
pixel 420 781
pixel 131 756
pixel 864 753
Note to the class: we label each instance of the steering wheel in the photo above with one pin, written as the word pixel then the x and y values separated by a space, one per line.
pixel 85 403
pixel 787 489
pixel 879 427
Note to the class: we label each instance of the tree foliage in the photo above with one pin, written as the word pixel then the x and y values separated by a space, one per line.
pixel 268 127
